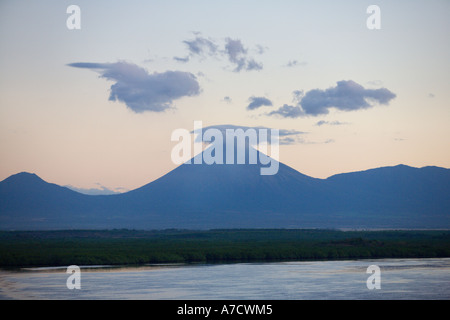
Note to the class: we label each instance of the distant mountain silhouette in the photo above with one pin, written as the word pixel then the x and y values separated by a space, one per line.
pixel 201 196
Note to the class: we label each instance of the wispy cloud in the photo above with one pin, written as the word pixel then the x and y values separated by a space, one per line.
pixel 345 96
pixel 295 63
pixel 231 49
pixel 286 136
pixel 201 46
pixel 100 190
pixel 376 83
pixel 260 49
pixel 142 91
pixel 237 55
pixel 287 111
pixel 227 99
pixel 330 123
pixel 179 59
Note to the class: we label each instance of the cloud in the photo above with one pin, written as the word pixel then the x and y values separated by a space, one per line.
pixel 257 102
pixel 141 91
pixel 330 123
pixel 285 136
pixel 287 111
pixel 237 54
pixel 101 190
pixel 185 59
pixel 375 82
pixel 227 99
pixel 260 49
pixel 201 46
pixel 231 49
pixel 298 95
pixel 288 141
pixel 345 96
pixel 295 63
pixel 253 65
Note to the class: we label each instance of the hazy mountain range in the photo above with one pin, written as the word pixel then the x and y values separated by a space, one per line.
pixel 237 196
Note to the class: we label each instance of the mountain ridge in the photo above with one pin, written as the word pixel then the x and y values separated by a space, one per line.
pixel 38 178
pixel 204 196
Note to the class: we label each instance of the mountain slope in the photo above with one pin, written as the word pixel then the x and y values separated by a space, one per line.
pixel 27 201
pixel 237 196
pixel 399 187
pixel 24 189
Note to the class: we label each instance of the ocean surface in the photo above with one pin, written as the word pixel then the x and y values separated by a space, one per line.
pixel 398 278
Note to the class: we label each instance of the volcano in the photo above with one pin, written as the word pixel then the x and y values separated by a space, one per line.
pixel 208 196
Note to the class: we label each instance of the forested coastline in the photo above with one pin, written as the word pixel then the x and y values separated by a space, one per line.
pixel 136 247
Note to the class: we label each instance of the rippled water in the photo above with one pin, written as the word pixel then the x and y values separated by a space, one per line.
pixel 400 279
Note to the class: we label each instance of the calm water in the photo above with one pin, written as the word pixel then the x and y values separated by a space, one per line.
pixel 400 279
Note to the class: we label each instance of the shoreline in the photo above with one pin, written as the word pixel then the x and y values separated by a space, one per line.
pixel 147 267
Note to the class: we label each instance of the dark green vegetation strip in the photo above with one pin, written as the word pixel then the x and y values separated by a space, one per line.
pixel 125 247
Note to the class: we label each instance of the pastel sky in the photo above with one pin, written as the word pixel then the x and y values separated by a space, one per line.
pixel 95 107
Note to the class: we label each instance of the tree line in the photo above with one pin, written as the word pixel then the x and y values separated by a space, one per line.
pixel 135 247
